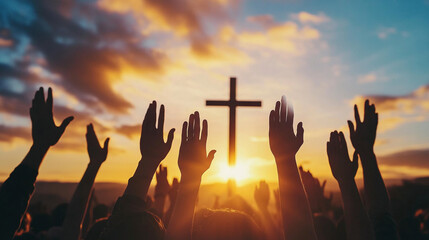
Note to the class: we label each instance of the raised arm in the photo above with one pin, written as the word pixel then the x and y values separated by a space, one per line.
pixel 162 188
pixel 15 193
pixel 357 222
pixel 284 144
pixel 193 162
pixel 262 199
pixel 376 196
pixel 153 150
pixel 76 210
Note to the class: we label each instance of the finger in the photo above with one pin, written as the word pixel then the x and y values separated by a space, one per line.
pixel 343 143
pixel 204 132
pixel 152 116
pixel 50 102
pixel 106 144
pixel 170 138
pixel 277 110
pixel 357 117
pixel 197 126
pixel 65 123
pixel 211 155
pixel 145 123
pixel 42 94
pixel 290 114
pixel 184 131
pixel 283 110
pixel 272 118
pixel 367 111
pixel 161 119
pixel 300 133
pixel 351 128
pixel 37 101
pixel 191 127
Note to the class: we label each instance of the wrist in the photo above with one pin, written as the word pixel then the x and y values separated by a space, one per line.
pixel 345 183
pixel 190 178
pixel 94 164
pixel 40 148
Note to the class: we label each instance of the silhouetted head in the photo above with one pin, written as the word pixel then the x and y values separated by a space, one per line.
pixel 325 228
pixel 100 211
pixel 41 222
pixel 225 224
pixel 95 231
pixel 237 202
pixel 59 214
pixel 140 226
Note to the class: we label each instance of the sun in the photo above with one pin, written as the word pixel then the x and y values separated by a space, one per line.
pixel 239 172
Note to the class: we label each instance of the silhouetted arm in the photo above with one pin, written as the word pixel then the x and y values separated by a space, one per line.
pixel 153 150
pixel 377 198
pixel 161 190
pixel 357 222
pixel 284 144
pixel 76 210
pixel 193 162
pixel 262 199
pixel 15 193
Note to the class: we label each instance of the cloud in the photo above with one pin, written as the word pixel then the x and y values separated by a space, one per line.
pixel 305 17
pixel 417 158
pixel 131 131
pixel 416 101
pixel 187 18
pixel 397 110
pixel 85 47
pixel 284 36
pixel 386 32
pixel 371 77
pixel 8 134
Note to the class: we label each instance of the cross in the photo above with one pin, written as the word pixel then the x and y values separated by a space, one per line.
pixel 232 103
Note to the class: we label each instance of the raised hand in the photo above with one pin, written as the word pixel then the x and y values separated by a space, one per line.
pixel 341 166
pixel 45 132
pixel 152 145
pixel 284 143
pixel 363 137
pixel 262 195
pixel 97 155
pixel 172 194
pixel 162 187
pixel 193 159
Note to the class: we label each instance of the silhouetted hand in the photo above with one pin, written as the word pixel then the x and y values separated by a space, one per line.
pixel 162 187
pixel 45 132
pixel 152 145
pixel 283 141
pixel 315 191
pixel 341 166
pixel 97 155
pixel 193 159
pixel 363 137
pixel 262 195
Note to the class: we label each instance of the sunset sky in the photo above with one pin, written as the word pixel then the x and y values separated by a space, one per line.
pixel 106 60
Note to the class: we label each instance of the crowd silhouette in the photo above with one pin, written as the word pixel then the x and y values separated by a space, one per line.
pixel 302 209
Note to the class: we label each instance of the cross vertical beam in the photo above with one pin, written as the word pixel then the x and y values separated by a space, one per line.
pixel 232 103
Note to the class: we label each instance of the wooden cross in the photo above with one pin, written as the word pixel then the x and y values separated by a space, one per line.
pixel 232 103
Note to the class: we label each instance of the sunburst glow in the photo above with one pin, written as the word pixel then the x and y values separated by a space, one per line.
pixel 239 172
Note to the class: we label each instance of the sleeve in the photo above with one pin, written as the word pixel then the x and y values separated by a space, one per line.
pixel 15 193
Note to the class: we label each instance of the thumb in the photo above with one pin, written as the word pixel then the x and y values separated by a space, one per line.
pixel 65 123
pixel 211 155
pixel 106 144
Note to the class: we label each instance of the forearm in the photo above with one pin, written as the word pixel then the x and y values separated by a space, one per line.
pixel 296 213
pixel 159 204
pixel 35 156
pixel 375 191
pixel 15 193
pixel 139 183
pixel 180 225
pixel 78 204
pixel 357 222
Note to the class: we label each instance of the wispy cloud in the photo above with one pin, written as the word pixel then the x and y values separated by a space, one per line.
pixel 384 33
